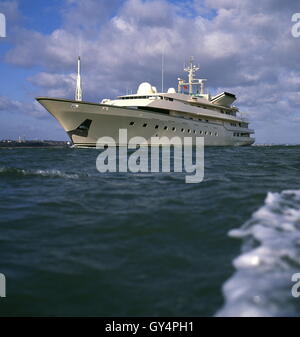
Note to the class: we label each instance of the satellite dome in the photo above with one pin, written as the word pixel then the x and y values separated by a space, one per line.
pixel 171 91
pixel 145 88
pixel 154 90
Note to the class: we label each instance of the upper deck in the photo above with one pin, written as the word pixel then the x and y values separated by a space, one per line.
pixel 189 99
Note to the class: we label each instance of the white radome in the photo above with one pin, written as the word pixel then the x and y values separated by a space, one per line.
pixel 146 88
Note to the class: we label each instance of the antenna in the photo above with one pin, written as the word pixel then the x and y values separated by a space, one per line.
pixel 162 71
pixel 78 92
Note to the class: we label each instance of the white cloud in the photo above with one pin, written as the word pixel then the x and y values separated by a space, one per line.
pixel 16 107
pixel 56 85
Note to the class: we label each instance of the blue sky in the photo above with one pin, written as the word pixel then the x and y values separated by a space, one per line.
pixel 243 47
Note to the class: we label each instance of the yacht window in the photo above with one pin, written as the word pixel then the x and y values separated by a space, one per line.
pixel 189 130
pixel 194 131
pixel 145 125
pixel 182 130
pixel 173 129
pixel 216 134
pixel 131 123
pixel 156 126
pixel 201 132
pixel 205 132
pixel 165 128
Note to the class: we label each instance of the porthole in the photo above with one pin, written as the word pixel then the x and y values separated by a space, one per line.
pixel 145 125
pixel 189 130
pixel 156 126
pixel 131 123
pixel 165 128
pixel 194 131
pixel 173 129
pixel 182 130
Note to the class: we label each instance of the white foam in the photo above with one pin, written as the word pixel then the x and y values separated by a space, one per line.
pixel 261 285
pixel 52 173
pixel 44 173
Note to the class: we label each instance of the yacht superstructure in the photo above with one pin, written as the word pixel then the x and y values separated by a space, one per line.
pixel 187 112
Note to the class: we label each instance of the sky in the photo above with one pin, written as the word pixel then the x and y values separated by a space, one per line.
pixel 244 47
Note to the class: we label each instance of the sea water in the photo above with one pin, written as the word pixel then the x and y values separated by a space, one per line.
pixel 74 241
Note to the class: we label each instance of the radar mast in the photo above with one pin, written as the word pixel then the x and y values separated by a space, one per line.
pixel 191 70
pixel 78 92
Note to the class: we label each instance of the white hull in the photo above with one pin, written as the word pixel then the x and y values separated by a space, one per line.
pixel 106 120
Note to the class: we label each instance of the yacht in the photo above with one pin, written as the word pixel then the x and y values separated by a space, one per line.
pixel 187 112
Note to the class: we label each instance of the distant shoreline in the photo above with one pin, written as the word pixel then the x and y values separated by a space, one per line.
pixel 33 144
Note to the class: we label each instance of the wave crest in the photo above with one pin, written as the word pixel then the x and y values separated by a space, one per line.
pixel 261 285
pixel 44 173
